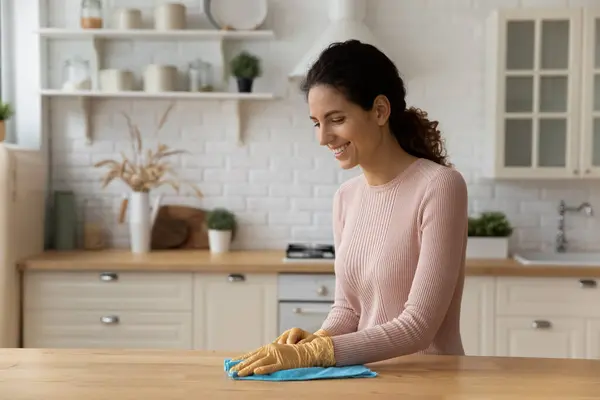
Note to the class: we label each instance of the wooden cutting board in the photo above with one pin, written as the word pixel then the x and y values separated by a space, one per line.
pixel 179 227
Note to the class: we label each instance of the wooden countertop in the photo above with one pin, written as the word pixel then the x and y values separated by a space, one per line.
pixel 34 374
pixel 268 261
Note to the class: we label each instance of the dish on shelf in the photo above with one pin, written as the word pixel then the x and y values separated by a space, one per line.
pixel 236 14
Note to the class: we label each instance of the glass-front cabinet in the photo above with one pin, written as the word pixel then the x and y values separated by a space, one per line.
pixel 544 93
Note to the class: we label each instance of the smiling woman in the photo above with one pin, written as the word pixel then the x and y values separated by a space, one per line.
pixel 400 228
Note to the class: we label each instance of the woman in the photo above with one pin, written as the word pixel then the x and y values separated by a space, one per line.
pixel 400 228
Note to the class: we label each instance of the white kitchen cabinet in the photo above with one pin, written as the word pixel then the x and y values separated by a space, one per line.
pixel 107 309
pixel 477 316
pixel 547 317
pixel 554 337
pixel 234 312
pixel 543 93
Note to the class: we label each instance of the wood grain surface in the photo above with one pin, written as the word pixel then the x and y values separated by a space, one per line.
pixel 268 261
pixel 35 374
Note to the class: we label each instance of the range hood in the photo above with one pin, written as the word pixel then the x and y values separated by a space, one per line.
pixel 346 22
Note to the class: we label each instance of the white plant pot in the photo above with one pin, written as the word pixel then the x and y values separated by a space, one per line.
pixel 219 241
pixel 139 222
pixel 487 247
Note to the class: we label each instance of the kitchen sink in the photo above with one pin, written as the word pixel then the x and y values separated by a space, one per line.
pixel 583 259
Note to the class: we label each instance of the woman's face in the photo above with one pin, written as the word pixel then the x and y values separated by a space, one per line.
pixel 352 134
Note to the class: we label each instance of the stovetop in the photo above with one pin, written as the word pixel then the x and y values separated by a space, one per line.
pixel 309 252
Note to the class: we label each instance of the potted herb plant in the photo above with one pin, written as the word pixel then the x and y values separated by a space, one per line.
pixel 221 224
pixel 488 235
pixel 245 67
pixel 6 111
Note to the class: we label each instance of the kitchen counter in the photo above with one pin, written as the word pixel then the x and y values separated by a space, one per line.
pixel 33 374
pixel 267 261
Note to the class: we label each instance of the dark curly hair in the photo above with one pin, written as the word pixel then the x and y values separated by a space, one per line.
pixel 362 72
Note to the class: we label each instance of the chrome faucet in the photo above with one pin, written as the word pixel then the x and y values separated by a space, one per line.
pixel 561 240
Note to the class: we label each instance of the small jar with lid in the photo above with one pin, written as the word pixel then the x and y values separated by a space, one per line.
pixel 91 14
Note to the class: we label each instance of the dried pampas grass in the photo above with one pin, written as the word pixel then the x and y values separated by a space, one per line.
pixel 147 169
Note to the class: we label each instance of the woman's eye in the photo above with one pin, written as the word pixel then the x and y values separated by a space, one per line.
pixel 337 120
pixel 316 124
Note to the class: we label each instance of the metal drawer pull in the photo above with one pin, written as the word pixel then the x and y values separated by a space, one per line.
pixel 108 276
pixel 587 283
pixel 236 278
pixel 322 291
pixel 110 320
pixel 298 310
pixel 541 324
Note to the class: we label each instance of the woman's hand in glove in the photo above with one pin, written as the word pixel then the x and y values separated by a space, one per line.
pixel 299 336
pixel 291 336
pixel 275 357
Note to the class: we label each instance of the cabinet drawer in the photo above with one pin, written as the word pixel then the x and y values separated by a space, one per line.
pixel 108 329
pixel 559 297
pixel 98 291
pixel 307 316
pixel 313 287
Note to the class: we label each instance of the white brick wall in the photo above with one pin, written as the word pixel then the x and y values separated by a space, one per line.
pixel 281 183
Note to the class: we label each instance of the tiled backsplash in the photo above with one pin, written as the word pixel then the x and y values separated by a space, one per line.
pixel 280 183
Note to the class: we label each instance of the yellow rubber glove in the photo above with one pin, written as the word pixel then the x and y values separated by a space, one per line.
pixel 299 336
pixel 275 357
pixel 291 336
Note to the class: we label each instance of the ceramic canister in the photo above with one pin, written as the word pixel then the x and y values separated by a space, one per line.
pixel 127 18
pixel 116 80
pixel 169 16
pixel 160 78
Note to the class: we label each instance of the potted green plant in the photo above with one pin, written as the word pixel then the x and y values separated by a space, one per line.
pixel 488 235
pixel 6 111
pixel 245 67
pixel 221 224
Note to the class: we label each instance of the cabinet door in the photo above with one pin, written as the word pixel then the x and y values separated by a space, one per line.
pixel 593 339
pixel 234 312
pixel 477 316
pixel 590 137
pixel 537 77
pixel 540 337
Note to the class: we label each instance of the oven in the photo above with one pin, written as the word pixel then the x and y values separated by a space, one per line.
pixel 304 300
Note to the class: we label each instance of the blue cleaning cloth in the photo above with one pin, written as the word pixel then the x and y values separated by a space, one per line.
pixel 305 374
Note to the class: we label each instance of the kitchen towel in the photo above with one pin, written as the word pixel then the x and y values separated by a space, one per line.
pixel 305 374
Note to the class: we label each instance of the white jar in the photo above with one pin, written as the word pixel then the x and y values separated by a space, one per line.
pixel 160 78
pixel 116 80
pixel 169 16
pixel 127 18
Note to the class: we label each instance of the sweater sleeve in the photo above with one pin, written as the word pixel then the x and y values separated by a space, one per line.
pixel 444 216
pixel 342 318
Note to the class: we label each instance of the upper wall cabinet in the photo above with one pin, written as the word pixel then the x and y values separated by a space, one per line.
pixel 544 93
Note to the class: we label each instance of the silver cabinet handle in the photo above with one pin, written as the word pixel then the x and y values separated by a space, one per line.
pixel 236 278
pixel 587 283
pixel 298 310
pixel 108 276
pixel 109 320
pixel 322 291
pixel 541 324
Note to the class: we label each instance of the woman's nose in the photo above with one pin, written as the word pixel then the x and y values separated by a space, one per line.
pixel 324 137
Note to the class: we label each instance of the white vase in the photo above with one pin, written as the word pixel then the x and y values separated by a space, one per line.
pixel 219 241
pixel 139 222
pixel 487 247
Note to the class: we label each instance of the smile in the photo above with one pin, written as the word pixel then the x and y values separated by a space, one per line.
pixel 338 151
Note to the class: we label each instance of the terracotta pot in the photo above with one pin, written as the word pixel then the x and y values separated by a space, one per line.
pixel 2 131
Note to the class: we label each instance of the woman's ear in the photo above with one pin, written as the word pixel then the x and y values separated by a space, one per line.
pixel 382 109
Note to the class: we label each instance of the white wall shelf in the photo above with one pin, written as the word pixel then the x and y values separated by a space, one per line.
pixel 233 100
pixel 97 37
pixel 152 34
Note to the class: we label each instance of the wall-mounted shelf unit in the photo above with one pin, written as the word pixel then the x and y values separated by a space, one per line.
pixel 85 98
pixel 96 39
pixel 152 34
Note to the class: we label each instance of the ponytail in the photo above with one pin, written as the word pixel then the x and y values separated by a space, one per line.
pixel 418 136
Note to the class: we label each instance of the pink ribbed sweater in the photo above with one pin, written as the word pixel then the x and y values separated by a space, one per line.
pixel 400 255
